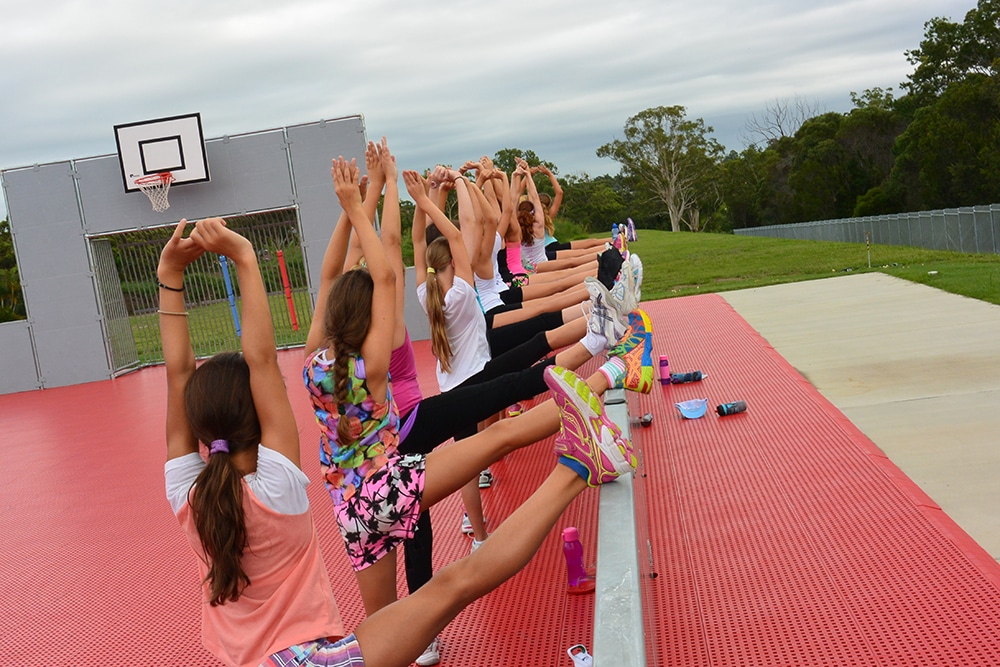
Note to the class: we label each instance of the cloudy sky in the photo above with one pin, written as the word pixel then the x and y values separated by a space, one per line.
pixel 445 81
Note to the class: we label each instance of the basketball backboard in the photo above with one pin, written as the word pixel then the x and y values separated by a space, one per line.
pixel 174 144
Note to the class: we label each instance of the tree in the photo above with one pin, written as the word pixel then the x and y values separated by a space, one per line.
pixel 948 155
pixel 672 158
pixel 11 299
pixel 780 118
pixel 952 51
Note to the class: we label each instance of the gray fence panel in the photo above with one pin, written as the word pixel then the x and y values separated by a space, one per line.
pixel 17 362
pixel 312 148
pixel 56 278
pixel 995 215
pixel 974 229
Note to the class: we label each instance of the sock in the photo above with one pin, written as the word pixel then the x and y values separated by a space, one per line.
pixel 594 342
pixel 614 370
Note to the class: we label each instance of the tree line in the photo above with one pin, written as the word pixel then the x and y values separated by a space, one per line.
pixel 936 145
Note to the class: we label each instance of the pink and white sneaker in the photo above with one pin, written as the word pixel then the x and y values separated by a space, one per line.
pixel 588 442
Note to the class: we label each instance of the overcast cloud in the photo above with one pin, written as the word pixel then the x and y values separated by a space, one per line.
pixel 444 81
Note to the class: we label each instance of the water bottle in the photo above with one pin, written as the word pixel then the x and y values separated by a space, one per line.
pixel 614 230
pixel 731 408
pixel 580 581
pixel 681 378
pixel 664 370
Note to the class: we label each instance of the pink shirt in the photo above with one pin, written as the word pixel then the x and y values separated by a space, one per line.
pixel 289 600
pixel 403 373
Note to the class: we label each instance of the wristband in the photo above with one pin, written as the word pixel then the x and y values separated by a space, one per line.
pixel 167 287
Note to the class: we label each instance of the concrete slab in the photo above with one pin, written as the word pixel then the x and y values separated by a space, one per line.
pixel 915 368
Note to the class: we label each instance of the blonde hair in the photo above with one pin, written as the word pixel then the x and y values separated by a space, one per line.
pixel 438 257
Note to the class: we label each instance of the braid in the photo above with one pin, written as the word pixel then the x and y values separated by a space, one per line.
pixel 341 382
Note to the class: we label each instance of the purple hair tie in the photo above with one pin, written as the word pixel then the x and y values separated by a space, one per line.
pixel 219 446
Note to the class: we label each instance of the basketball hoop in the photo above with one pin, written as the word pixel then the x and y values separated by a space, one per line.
pixel 156 187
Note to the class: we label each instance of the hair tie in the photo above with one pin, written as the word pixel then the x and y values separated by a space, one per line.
pixel 218 446
pixel 341 410
pixel 430 269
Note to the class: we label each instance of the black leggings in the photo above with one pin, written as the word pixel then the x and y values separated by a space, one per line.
pixel 509 336
pixel 456 413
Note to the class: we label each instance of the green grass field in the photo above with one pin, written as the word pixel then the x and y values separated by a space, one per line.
pixel 681 264
pixel 674 264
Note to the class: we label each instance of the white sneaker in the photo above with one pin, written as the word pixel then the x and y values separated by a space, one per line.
pixel 475 545
pixel 485 479
pixel 430 656
pixel 605 316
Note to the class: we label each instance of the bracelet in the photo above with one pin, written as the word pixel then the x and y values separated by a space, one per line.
pixel 167 287
pixel 172 312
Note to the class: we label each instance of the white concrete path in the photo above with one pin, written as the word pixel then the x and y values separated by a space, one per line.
pixel 915 368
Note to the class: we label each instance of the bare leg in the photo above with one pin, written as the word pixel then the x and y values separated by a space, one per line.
pixel 550 304
pixel 578 273
pixel 397 634
pixel 448 469
pixel 472 499
pixel 559 264
pixel 377 584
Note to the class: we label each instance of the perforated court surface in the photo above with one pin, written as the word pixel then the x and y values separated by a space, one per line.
pixel 780 536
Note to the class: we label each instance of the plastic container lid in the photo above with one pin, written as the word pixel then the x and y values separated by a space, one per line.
pixel 570 534
pixel 694 408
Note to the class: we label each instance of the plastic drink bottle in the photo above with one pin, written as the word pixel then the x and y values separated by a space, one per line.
pixel 664 370
pixel 731 408
pixel 580 581
pixel 681 378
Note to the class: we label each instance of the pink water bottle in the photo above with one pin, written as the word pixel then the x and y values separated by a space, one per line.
pixel 580 581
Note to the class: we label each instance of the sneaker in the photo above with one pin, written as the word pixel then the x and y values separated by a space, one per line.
pixel 636 349
pixel 430 656
pixel 604 317
pixel 475 545
pixel 636 265
pixel 515 409
pixel 588 442
pixel 467 525
pixel 625 295
pixel 485 481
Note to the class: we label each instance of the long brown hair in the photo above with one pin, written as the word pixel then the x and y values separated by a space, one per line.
pixel 438 257
pixel 347 321
pixel 526 220
pixel 219 406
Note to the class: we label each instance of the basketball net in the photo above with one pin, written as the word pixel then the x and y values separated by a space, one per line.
pixel 156 187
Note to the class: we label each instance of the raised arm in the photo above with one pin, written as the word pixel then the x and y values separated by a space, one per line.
pixel 278 429
pixel 333 265
pixel 486 218
pixel 370 194
pixel 178 354
pixel 415 186
pixel 378 343
pixel 392 236
pixel 536 203
pixel 459 255
pixel 556 188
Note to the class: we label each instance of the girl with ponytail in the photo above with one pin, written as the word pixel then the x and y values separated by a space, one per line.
pixel 243 506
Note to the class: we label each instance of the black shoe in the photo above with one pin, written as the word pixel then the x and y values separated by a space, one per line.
pixel 609 265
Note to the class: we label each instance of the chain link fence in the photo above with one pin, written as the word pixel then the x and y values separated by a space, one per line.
pixel 125 265
pixel 974 229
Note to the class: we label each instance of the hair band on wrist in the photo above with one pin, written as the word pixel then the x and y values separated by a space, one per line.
pixel 219 446
pixel 173 312
pixel 168 287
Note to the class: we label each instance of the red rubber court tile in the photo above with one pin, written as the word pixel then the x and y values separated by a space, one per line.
pixel 782 535
pixel 94 565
